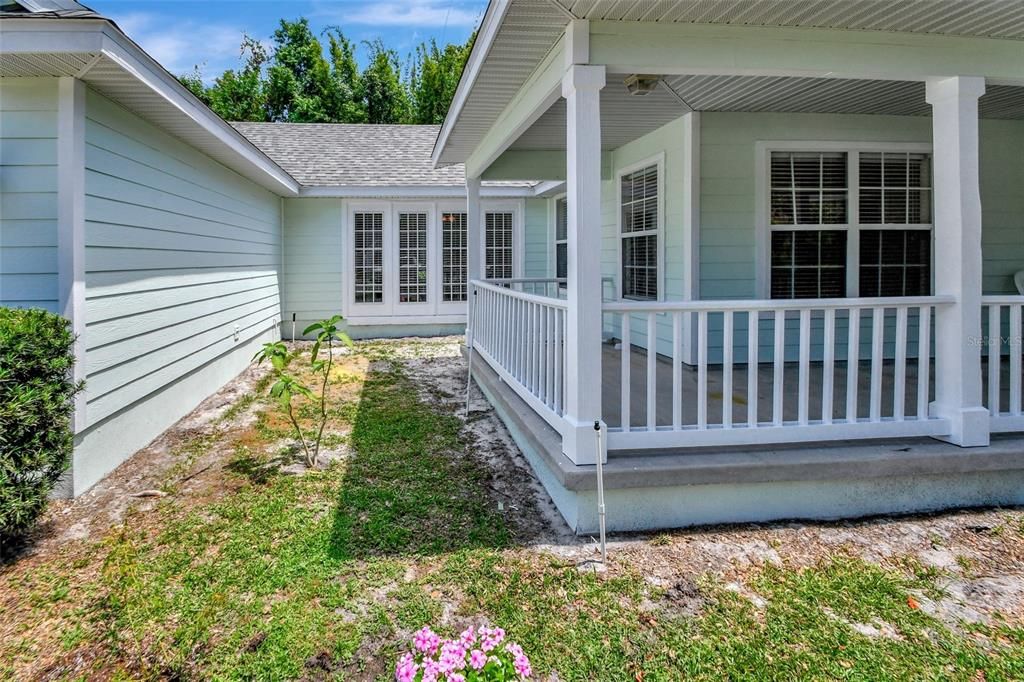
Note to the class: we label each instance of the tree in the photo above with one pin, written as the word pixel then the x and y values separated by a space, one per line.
pixel 241 96
pixel 433 78
pixel 299 83
pixel 193 80
pixel 347 105
pixel 384 93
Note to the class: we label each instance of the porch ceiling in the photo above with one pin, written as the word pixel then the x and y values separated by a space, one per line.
pixel 528 29
pixel 625 117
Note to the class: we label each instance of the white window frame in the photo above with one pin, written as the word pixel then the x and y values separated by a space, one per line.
pixel 516 208
pixel 655 160
pixel 352 308
pixel 447 307
pixel 433 276
pixel 762 192
pixel 554 240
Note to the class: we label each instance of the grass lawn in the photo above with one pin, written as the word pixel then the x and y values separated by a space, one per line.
pixel 231 569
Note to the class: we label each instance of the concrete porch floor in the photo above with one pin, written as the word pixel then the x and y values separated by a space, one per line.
pixel 612 390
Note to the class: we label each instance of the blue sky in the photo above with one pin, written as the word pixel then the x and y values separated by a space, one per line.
pixel 183 33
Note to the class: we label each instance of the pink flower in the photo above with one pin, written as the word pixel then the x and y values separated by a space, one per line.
pixel 426 640
pixel 456 677
pixel 431 669
pixel 491 638
pixel 477 659
pixel 514 649
pixel 522 664
pixel 467 637
pixel 406 670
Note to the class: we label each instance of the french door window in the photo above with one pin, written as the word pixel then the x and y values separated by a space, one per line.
pixel 498 248
pixel 412 258
pixel 639 205
pixel 833 214
pixel 368 247
pixel 454 265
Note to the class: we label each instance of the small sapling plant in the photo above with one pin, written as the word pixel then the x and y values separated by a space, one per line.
pixel 286 386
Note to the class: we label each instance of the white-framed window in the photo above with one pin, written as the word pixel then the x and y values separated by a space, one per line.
pixel 454 254
pixel 847 221
pixel 413 271
pixel 561 237
pixel 499 247
pixel 640 219
pixel 368 254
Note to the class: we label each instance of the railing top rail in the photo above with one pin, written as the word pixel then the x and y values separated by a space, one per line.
pixel 774 304
pixel 1003 299
pixel 524 280
pixel 522 296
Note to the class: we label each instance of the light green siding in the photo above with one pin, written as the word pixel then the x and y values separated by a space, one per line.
pixel 313 260
pixel 28 192
pixel 539 248
pixel 1002 203
pixel 182 259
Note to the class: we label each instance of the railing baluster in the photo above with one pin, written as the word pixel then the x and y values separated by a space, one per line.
pixel 624 359
pixel 995 358
pixel 852 364
pixel 702 369
pixel 828 366
pixel 753 353
pixel 877 347
pixel 924 361
pixel 677 370
pixel 899 372
pixel 558 361
pixel 652 371
pixel 804 376
pixel 779 369
pixel 1016 351
pixel 727 369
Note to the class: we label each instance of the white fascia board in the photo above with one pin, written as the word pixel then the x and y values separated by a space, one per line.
pixel 413 191
pixel 99 36
pixel 118 47
pixel 488 31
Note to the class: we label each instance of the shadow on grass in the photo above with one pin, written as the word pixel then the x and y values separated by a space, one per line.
pixel 409 488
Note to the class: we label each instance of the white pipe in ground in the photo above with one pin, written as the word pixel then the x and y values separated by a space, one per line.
pixel 600 491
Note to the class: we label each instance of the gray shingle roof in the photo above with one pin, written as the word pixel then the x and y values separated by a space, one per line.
pixel 353 154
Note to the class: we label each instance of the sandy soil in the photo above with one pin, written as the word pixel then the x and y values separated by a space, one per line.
pixel 979 553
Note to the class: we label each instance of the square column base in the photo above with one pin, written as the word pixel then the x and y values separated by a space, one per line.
pixel 580 442
pixel 969 426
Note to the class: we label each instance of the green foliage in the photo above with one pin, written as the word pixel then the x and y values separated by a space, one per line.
pixel 36 404
pixel 386 98
pixel 433 79
pixel 297 80
pixel 286 386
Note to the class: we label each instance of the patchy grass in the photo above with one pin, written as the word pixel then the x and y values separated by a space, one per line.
pixel 243 572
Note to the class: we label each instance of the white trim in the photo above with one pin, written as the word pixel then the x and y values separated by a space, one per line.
pixel 485 35
pixel 691 227
pixel 762 228
pixel 391 320
pixel 101 37
pixel 415 191
pixel 654 160
pixel 443 307
pixel 357 310
pixel 553 239
pixel 71 226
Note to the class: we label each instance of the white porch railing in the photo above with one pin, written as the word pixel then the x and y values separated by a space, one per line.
pixel 828 369
pixel 1004 395
pixel 522 337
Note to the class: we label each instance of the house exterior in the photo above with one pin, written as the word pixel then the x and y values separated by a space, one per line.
pixel 769 250
pixel 813 216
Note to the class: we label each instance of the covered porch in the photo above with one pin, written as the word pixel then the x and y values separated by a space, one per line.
pixel 801 240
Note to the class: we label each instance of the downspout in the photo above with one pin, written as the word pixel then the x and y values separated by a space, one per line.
pixel 280 276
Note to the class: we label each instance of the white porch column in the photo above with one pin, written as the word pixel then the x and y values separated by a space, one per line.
pixel 581 88
pixel 958 261
pixel 474 244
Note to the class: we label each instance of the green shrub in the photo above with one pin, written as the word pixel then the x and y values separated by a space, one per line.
pixel 37 389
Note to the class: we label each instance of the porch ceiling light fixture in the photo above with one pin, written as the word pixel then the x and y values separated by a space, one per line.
pixel 640 85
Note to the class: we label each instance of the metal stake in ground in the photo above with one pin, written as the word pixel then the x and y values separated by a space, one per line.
pixel 600 491
pixel 471 334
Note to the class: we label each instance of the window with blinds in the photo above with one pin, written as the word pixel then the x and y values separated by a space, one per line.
pixel 812 224
pixel 412 258
pixel 639 221
pixel 454 256
pixel 368 252
pixel 561 238
pixel 498 245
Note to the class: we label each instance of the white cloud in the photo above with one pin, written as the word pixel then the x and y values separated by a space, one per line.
pixel 181 44
pixel 419 13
